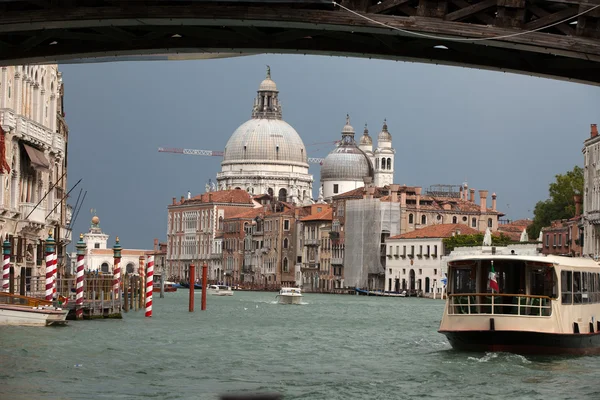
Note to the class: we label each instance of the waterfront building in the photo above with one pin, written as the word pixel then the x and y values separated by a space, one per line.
pixel 266 155
pixel 414 259
pixel 317 272
pixel 564 237
pixel 365 217
pixel 33 165
pixel 591 194
pixel 514 229
pixel 195 230
pixel 99 255
pixel 239 265
pixel 159 252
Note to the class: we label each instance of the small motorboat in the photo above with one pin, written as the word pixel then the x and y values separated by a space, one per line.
pixel 169 287
pixel 29 311
pixel 289 295
pixel 219 290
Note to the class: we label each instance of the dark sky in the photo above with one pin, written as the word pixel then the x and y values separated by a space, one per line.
pixel 510 134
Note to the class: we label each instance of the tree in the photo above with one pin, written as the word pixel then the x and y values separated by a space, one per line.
pixel 560 205
pixel 476 239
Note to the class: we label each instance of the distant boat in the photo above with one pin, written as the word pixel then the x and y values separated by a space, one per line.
pixel 219 290
pixel 380 293
pixel 29 311
pixel 169 287
pixel 289 295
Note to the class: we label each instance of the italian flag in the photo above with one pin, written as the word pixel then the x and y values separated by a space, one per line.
pixel 493 281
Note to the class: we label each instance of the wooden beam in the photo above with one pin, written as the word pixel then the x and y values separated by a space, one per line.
pixel 540 12
pixel 386 5
pixel 550 19
pixel 486 19
pixel 471 10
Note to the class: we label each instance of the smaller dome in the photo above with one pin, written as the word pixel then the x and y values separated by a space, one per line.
pixel 348 129
pixel 366 140
pixel 267 85
pixel 384 135
pixel 95 220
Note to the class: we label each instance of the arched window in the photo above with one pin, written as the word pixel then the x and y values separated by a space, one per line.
pixel 282 194
pixel 389 163
pixel 489 222
pixel 377 163
pixel 104 267
pixel 130 268
pixel 220 223
pixel 410 218
pixel 285 265
pixel 454 220
pixel 423 219
pixel 270 191
pixel 474 222
pixel 285 243
pixel 383 163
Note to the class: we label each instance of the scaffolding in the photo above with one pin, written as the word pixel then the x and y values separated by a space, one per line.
pixel 444 191
pixel 368 223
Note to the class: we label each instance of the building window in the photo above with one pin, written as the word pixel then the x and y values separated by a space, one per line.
pixel 96 245
pixel 434 271
pixel 489 222
pixel 454 220
pixel 410 218
pixel 285 265
pixel 420 271
pixel 285 243
pixel 286 225
pixel 389 163
pixel 474 222
pixel 554 241
pixel 547 240
pixel 423 219
pixel 560 240
pixel 335 188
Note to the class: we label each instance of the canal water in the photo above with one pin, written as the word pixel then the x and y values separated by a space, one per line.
pixel 331 347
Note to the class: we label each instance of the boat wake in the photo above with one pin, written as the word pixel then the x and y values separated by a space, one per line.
pixel 501 356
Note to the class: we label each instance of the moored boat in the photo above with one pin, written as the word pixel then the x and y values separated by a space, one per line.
pixel 219 290
pixel 169 287
pixel 523 304
pixel 288 295
pixel 29 311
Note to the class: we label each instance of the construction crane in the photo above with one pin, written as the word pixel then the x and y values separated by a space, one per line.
pixel 214 153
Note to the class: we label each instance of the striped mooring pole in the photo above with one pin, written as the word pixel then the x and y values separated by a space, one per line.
pixel 6 265
pixel 117 269
pixel 54 273
pixel 80 277
pixel 49 266
pixel 149 284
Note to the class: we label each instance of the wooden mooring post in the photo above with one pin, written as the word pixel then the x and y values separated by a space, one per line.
pixel 126 293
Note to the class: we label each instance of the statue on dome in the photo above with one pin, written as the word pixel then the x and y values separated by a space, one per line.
pixel 207 187
pixel 268 72
pixel 213 187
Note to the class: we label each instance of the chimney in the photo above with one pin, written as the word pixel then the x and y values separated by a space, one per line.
pixel 209 197
pixel 418 195
pixel 493 201
pixel 174 201
pixel 182 198
pixel 472 196
pixel 483 199
pixel 367 180
pixel 577 199
pixel 370 192
pixel 403 197
pixel 594 130
pixel 394 193
pixel 465 192
pixel 155 245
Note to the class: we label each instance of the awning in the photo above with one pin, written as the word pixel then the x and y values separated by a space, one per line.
pixel 37 158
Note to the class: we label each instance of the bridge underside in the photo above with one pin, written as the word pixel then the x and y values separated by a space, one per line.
pixel 63 31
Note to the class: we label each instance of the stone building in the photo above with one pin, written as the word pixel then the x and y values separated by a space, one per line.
pixel 266 155
pixel 33 165
pixel 591 194
pixel 317 272
pixel 195 230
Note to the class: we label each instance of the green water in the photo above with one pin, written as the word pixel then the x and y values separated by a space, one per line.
pixel 332 347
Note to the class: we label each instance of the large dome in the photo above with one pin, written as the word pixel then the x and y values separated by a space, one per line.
pixel 265 140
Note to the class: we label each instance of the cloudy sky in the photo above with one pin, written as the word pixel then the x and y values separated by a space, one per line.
pixel 506 133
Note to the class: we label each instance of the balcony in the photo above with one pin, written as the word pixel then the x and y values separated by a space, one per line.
pixel 311 266
pixel 311 242
pixel 337 260
pixel 33 132
pixel 38 215
pixel 594 217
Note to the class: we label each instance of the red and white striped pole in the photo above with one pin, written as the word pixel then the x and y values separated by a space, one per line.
pixel 54 273
pixel 50 244
pixel 6 266
pixel 117 269
pixel 80 277
pixel 149 285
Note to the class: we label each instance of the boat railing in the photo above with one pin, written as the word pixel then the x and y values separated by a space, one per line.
pixel 499 304
pixel 7 298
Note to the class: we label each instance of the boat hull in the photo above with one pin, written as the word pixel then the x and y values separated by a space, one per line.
pixel 289 299
pixel 521 342
pixel 29 316
pixel 167 289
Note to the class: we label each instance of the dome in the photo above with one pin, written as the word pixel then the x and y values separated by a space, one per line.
pixel 346 163
pixel 366 140
pixel 267 85
pixel 265 139
pixel 384 135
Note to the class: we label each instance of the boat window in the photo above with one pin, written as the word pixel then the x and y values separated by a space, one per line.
pixel 577 287
pixel 566 287
pixel 542 282
pixel 464 280
pixel 585 298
